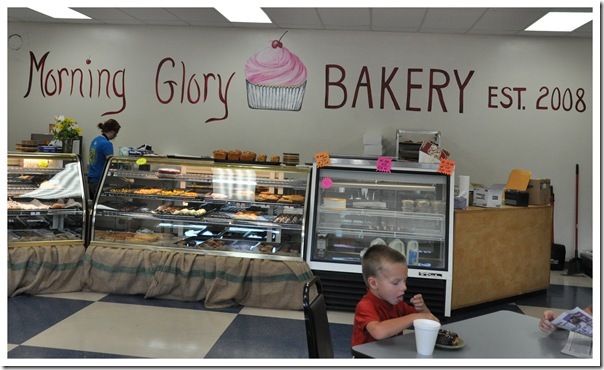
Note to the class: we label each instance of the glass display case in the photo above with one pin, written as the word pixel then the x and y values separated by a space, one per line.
pixel 356 206
pixel 46 199
pixel 254 210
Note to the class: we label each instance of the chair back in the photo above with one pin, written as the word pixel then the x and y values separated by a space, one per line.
pixel 318 335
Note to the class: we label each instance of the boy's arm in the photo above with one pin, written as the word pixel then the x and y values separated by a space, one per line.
pixel 388 328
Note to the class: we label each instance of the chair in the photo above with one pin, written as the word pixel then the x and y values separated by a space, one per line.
pixel 318 335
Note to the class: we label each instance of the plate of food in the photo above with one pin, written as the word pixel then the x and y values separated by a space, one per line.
pixel 447 339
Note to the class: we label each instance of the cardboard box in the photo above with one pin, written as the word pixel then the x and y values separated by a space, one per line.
pixel 516 198
pixel 373 149
pixel 431 153
pixel 540 191
pixel 490 198
pixel 373 139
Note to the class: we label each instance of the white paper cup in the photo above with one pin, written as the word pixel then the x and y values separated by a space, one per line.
pixel 426 332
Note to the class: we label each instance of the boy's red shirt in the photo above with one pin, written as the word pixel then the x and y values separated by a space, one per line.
pixel 371 308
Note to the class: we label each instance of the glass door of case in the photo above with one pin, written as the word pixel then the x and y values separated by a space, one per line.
pixel 404 210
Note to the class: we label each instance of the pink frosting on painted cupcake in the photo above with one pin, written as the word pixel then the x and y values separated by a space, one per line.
pixel 275 67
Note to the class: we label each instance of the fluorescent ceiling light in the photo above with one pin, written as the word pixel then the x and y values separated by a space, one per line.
pixel 59 12
pixel 243 13
pixel 560 21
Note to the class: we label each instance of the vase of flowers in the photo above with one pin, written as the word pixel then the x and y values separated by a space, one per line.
pixel 66 129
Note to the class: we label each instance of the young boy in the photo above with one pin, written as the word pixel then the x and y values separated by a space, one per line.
pixel 381 313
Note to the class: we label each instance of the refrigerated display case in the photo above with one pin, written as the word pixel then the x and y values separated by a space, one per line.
pixel 46 222
pixel 409 209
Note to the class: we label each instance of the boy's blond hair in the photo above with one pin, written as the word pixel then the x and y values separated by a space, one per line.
pixel 375 257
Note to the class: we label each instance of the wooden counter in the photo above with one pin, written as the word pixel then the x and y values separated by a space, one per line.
pixel 500 253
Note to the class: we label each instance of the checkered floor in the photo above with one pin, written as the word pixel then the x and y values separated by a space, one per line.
pixel 89 325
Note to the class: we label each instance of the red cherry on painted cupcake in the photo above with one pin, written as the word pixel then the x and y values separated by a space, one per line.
pixel 277 43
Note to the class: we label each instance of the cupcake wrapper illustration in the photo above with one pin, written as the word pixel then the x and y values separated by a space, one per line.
pixel 275 97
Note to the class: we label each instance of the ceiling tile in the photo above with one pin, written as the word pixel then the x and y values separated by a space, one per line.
pixel 294 17
pixel 203 15
pixel 150 14
pixel 397 18
pixel 508 19
pixel 334 18
pixel 455 19
pixel 104 14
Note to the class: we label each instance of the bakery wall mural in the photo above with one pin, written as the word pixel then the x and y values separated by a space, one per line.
pixel 275 78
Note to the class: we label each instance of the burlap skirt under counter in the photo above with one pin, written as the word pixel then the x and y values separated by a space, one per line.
pixel 218 280
pixel 45 269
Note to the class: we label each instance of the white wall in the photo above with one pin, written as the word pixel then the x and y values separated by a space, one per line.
pixel 486 142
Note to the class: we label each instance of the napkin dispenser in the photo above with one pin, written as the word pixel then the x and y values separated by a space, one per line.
pixel 517 198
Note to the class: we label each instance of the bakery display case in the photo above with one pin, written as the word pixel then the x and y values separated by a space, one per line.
pixel 254 210
pixel 46 199
pixel 409 209
pixel 46 222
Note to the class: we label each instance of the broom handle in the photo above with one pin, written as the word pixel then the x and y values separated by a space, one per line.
pixel 577 213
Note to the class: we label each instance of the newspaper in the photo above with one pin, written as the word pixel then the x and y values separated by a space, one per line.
pixel 575 320
pixel 578 345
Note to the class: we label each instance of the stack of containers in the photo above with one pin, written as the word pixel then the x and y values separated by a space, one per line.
pixel 372 144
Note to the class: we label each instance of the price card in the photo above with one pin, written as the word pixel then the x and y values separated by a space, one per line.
pixel 43 163
pixel 322 159
pixel 141 161
pixel 326 183
pixel 446 166
pixel 384 164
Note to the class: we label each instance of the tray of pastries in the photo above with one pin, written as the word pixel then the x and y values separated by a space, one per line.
pixel 248 157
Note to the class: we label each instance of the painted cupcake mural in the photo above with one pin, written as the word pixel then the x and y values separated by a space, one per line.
pixel 275 78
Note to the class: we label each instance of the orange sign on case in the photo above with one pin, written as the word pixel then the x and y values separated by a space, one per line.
pixel 446 166
pixel 322 159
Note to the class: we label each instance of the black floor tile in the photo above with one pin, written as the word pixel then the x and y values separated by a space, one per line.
pixel 265 337
pixel 261 337
pixel 40 352
pixel 30 315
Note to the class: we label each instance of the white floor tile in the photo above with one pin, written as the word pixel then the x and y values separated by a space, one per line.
pixel 558 277
pixel 339 317
pixel 84 295
pixel 336 317
pixel 137 330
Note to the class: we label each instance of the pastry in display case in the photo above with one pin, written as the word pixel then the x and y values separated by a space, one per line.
pixel 202 206
pixel 45 199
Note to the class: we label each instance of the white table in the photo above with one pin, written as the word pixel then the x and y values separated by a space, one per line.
pixel 502 334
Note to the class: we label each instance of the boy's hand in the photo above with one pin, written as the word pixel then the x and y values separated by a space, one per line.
pixel 418 303
pixel 427 315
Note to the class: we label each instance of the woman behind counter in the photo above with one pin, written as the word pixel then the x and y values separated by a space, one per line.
pixel 101 149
